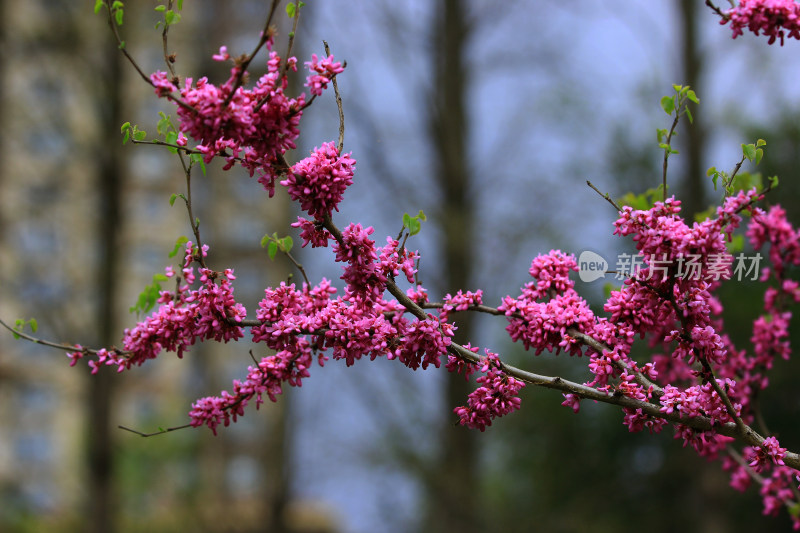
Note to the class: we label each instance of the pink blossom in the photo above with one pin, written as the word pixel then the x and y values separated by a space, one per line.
pixel 773 17
pixel 222 55
pixel 497 396
pixel 322 72
pixel 162 83
pixel 319 181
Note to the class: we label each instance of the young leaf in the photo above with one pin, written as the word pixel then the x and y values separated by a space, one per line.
pixel 272 249
pixel 178 245
pixel 667 104
pixel 749 151
pixel 291 9
pixel 172 199
pixel 98 5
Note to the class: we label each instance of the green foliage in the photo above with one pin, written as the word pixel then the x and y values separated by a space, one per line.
pixel 738 181
pixel 413 224
pixel 167 130
pixel 675 105
pixel 117 11
pixel 273 243
pixel 754 152
pixel 170 16
pixel 736 244
pixel 293 9
pixel 643 201
pixel 132 131
pixel 149 296
pixel 607 289
pixel 198 159
pixel 20 324
pixel 178 244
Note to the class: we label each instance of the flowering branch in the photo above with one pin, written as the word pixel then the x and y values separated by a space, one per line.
pixel 695 379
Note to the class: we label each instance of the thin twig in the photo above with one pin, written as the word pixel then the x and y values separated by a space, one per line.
pixel 265 35
pixel 159 432
pixel 717 10
pixel 668 150
pixel 145 77
pixel 606 196
pixel 192 221
pixel 35 340
pixel 299 267
pixel 340 144
pixel 167 58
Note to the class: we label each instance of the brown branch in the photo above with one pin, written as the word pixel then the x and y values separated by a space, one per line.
pixel 606 196
pixel 340 144
pixel 266 33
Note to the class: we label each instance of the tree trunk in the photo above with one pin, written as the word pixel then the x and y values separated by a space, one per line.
pixel 454 498
pixel 693 194
pixel 100 445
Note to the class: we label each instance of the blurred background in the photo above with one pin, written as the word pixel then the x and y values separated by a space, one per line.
pixel 490 118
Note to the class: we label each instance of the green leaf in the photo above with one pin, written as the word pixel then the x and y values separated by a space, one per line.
pixel 761 142
pixel 272 249
pixel 286 244
pixel 706 214
pixel 118 16
pixel 179 244
pixel 198 158
pixel 689 115
pixel 34 324
pixel 749 151
pixel 172 18
pixel 160 277
pixel 291 9
pixel 607 288
pixel 759 155
pixel 139 135
pixel 161 9
pixel 264 240
pixel 668 105
pixel 180 5
pixel 172 199
pixel 692 96
pixel 98 5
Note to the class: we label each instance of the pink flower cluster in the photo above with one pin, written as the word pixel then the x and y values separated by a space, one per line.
pixel 255 126
pixel 460 302
pixel 296 323
pixel 318 182
pixel 543 325
pixel 325 70
pixel 183 317
pixel 773 17
pixel 365 273
pixel 498 395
